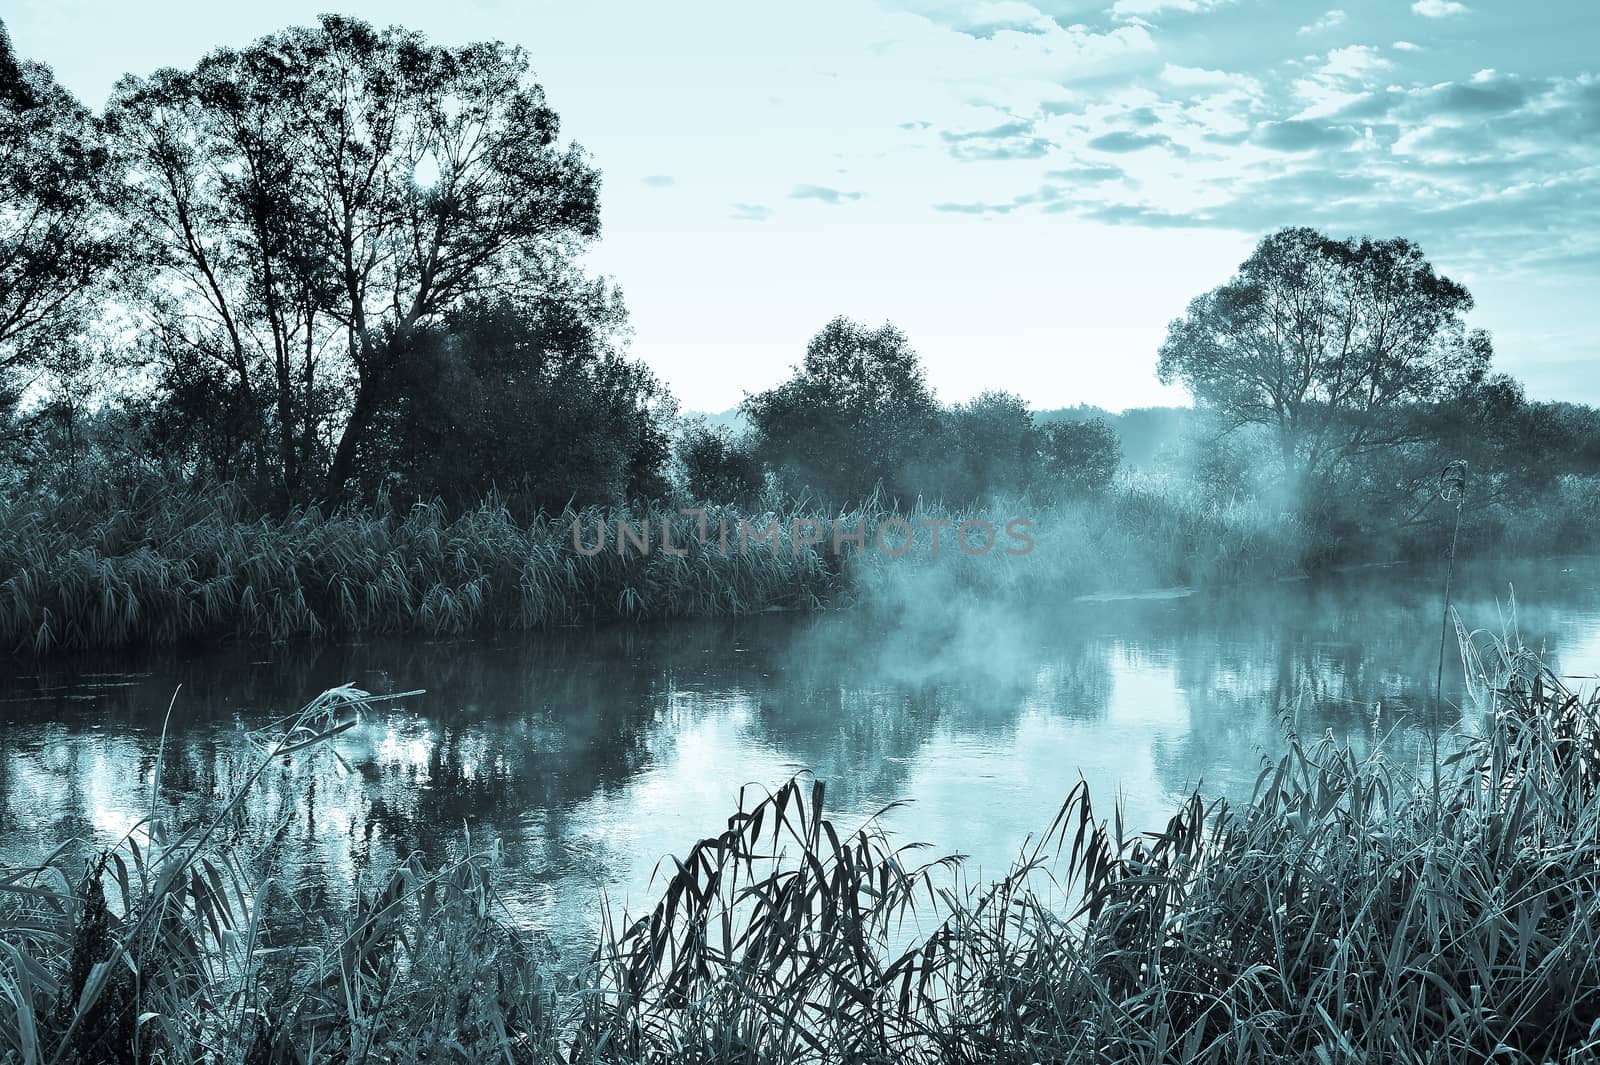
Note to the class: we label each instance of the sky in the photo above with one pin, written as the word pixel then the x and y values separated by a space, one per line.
pixel 1031 191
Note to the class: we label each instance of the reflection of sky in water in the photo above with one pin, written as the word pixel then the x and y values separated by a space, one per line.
pixel 592 755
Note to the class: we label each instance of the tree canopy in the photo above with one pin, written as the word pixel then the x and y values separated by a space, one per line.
pixel 856 414
pixel 1327 343
pixel 56 240
pixel 335 190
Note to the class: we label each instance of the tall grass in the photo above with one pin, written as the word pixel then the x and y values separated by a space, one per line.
pixel 181 567
pixel 196 568
pixel 1348 912
pixel 159 952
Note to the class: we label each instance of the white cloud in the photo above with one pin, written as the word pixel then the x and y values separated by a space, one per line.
pixel 1201 78
pixel 1354 62
pixel 1407 46
pixel 1438 8
pixel 1332 20
pixel 1342 79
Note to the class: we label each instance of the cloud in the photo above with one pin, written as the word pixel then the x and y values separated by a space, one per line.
pixel 823 194
pixel 975 208
pixel 1195 81
pixel 1087 173
pixel 1048 198
pixel 1354 62
pixel 960 42
pixel 658 181
pixel 1295 136
pixel 751 212
pixel 987 20
pixel 1123 140
pixel 1332 20
pixel 1141 117
pixel 1015 139
pixel 1141 214
pixel 1343 76
pixel 1350 139
pixel 1201 78
pixel 1489 92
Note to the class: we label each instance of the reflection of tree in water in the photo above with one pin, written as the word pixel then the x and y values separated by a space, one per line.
pixel 1355 656
pixel 516 736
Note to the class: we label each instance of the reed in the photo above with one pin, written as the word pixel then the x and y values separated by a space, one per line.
pixel 191 569
pixel 177 567
pixel 1349 911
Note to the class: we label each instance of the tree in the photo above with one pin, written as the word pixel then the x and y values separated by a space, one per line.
pixel 986 446
pixel 221 213
pixel 717 466
pixel 856 413
pixel 534 402
pixel 338 186
pixel 1081 457
pixel 56 243
pixel 1516 451
pixel 1327 343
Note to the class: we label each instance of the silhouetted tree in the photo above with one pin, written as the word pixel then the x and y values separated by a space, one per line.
pixel 857 412
pixel 986 447
pixel 1327 343
pixel 1081 457
pixel 717 466
pixel 56 241
pixel 339 188
pixel 533 401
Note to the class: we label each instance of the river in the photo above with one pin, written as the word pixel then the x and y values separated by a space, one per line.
pixel 591 754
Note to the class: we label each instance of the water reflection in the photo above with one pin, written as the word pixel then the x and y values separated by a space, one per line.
pixel 592 754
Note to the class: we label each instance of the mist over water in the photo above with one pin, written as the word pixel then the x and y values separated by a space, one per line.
pixel 591 754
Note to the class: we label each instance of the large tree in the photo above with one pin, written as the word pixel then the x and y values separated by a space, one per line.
pixel 56 241
pixel 533 401
pixel 1327 343
pixel 857 413
pixel 343 188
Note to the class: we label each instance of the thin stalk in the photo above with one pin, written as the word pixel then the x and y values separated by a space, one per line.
pixel 1455 476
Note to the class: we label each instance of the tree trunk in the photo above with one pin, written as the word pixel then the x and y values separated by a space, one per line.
pixel 344 455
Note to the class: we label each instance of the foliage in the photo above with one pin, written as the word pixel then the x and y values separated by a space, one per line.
pixel 166 950
pixel 177 567
pixel 1082 457
pixel 986 447
pixel 313 202
pixel 139 563
pixel 1327 343
pixel 855 415
pixel 55 242
pixel 718 466
pixel 532 403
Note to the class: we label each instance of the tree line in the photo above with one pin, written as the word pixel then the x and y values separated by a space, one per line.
pixel 345 261
pixel 339 256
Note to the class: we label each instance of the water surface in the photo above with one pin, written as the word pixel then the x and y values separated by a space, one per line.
pixel 591 754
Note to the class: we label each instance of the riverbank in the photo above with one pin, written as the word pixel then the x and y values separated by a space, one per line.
pixel 205 568
pixel 1353 909
pixel 178 567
